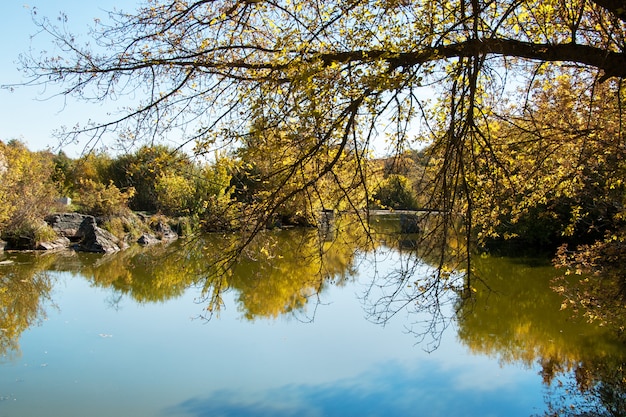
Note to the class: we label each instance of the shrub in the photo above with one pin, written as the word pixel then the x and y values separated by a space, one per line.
pixel 98 199
pixel 142 170
pixel 395 192
pixel 27 192
pixel 174 194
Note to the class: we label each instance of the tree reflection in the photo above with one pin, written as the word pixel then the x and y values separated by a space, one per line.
pixel 280 272
pixel 597 389
pixel 24 291
pixel 148 275
pixel 515 317
pixel 277 273
pixel 417 272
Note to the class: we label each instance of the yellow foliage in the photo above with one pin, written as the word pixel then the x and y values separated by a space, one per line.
pixel 27 193
pixel 103 200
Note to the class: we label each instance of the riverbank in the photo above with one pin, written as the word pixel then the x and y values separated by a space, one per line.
pixel 86 233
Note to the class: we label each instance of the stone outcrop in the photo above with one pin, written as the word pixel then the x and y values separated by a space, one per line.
pixel 96 239
pixel 82 233
pixel 61 243
pixel 164 231
pixel 67 224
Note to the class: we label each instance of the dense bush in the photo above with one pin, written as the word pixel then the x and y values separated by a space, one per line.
pixel 144 169
pixel 27 192
pixel 174 194
pixel 395 192
pixel 98 199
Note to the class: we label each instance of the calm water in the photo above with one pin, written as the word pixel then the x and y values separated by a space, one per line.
pixel 290 332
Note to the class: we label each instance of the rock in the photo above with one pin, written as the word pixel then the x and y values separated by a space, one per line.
pixel 67 224
pixel 95 239
pixel 3 245
pixel 164 231
pixel 147 239
pixel 19 242
pixel 61 243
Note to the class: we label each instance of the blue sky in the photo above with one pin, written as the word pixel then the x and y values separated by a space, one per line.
pixel 32 114
pixel 25 113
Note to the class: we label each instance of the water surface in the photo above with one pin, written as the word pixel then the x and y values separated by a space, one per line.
pixel 291 331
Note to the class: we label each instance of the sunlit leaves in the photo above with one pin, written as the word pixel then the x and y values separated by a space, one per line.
pixel 27 192
pixel 303 89
pixel 557 158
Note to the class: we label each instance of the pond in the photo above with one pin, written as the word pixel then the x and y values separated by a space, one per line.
pixel 298 327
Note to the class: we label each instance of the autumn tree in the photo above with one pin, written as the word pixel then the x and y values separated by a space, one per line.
pixel 323 80
pixel 145 169
pixel 273 165
pixel 554 171
pixel 27 194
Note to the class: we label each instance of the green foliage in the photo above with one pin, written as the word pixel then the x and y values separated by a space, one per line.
pixel 92 166
pixel 103 200
pixel 174 187
pixel 28 234
pixel 123 226
pixel 64 174
pixel 396 192
pixel 552 173
pixel 284 184
pixel 185 226
pixel 174 194
pixel 214 203
pixel 144 169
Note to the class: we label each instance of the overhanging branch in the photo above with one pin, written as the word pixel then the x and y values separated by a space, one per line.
pixel 612 63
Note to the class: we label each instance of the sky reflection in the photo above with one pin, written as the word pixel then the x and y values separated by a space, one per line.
pixel 389 390
pixel 149 359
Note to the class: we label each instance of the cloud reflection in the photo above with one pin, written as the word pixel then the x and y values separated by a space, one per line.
pixel 392 391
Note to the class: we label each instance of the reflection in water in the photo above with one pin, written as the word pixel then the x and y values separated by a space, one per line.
pixel 374 393
pixel 25 287
pixel 277 273
pixel 515 317
pixel 512 316
pixel 422 280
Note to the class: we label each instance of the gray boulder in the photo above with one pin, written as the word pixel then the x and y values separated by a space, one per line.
pixel 96 239
pixel 60 243
pixel 67 224
pixel 164 231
